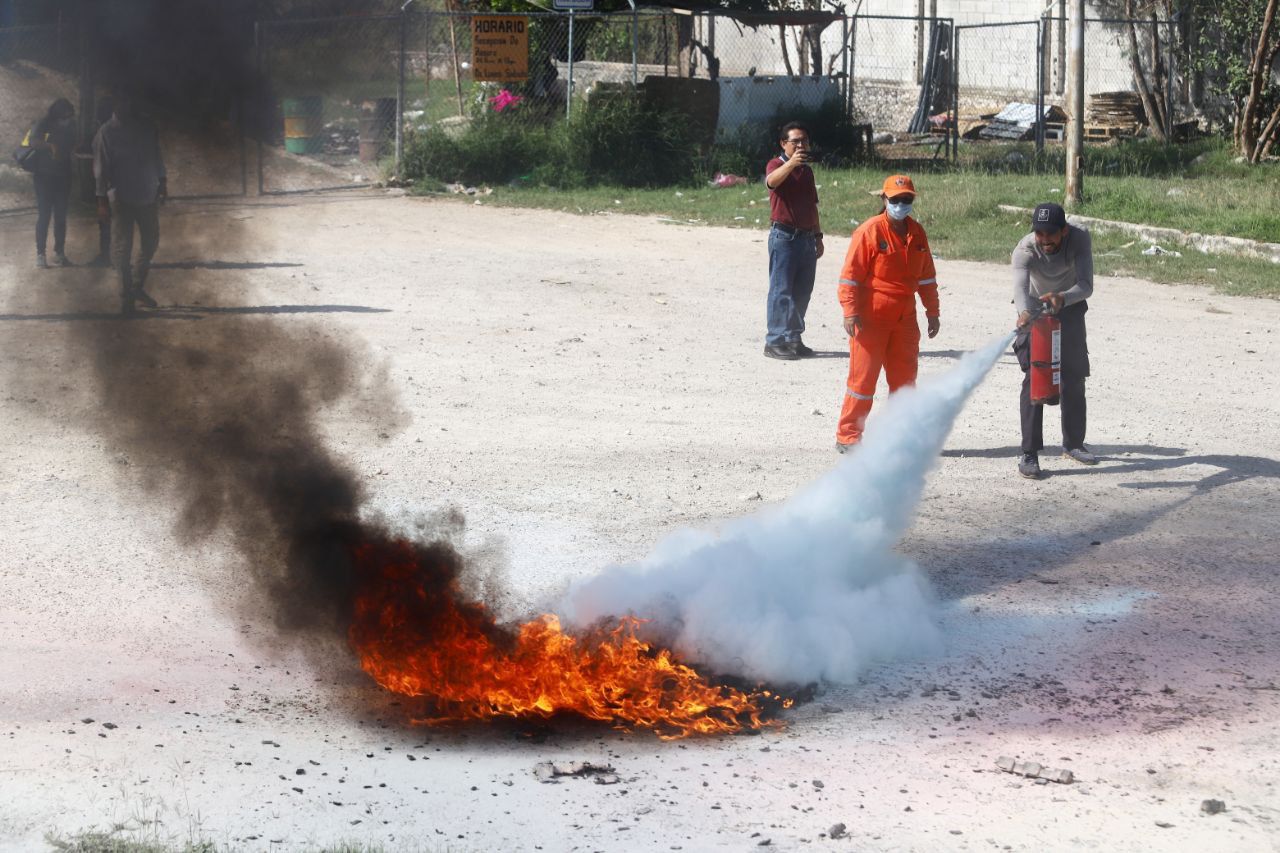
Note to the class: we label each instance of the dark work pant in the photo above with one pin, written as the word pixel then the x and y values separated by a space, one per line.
pixel 104 238
pixel 146 218
pixel 1075 368
pixel 53 193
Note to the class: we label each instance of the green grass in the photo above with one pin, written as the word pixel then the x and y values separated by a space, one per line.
pixel 960 209
pixel 116 842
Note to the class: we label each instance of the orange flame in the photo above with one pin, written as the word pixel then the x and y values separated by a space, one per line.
pixel 416 637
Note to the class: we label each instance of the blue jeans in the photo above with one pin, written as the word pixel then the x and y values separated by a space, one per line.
pixel 793 261
pixel 53 193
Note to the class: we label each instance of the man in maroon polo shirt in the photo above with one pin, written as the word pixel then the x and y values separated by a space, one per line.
pixel 795 244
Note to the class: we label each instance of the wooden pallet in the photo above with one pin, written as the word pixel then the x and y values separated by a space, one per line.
pixel 1097 132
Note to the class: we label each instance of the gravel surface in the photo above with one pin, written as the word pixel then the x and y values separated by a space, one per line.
pixel 578 387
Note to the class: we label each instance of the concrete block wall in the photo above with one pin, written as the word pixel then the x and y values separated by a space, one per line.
pixel 996 63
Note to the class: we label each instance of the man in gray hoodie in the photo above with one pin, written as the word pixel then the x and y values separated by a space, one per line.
pixel 131 183
pixel 1053 265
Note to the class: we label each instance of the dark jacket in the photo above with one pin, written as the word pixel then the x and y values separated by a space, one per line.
pixel 127 165
pixel 62 136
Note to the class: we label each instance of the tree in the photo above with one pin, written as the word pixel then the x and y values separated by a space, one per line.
pixel 1236 44
pixel 1151 79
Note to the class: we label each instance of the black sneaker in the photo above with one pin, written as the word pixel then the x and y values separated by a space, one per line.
pixel 843 448
pixel 1029 466
pixel 803 351
pixel 62 260
pixel 1081 454
pixel 782 351
pixel 144 298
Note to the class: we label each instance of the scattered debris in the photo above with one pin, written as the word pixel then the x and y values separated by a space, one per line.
pixel 1159 250
pixel 723 180
pixel 1019 121
pixel 460 189
pixel 836 831
pixel 1213 807
pixel 1034 770
pixel 548 771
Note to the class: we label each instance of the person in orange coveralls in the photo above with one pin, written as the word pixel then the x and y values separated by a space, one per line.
pixel 887 265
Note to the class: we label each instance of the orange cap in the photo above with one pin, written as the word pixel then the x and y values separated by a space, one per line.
pixel 897 185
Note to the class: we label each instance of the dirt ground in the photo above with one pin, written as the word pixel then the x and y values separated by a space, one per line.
pixel 579 386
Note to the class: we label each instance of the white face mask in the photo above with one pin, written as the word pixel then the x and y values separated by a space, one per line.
pixel 898 211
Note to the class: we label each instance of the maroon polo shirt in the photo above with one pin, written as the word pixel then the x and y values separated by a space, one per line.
pixel 795 201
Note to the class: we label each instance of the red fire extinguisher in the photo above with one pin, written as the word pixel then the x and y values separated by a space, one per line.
pixel 1046 360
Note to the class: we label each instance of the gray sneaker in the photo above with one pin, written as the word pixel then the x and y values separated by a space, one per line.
pixel 842 448
pixel 41 262
pixel 1081 455
pixel 1029 466
pixel 143 297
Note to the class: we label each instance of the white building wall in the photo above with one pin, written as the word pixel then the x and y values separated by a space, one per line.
pixel 997 64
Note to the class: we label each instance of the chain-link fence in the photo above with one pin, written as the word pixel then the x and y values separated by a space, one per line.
pixel 331 96
pixel 901 79
pixel 1011 79
pixel 336 98
pixel 465 66
pixel 997 63
pixel 49 46
pixel 1119 53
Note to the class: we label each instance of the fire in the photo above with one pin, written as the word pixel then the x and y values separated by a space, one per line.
pixel 416 636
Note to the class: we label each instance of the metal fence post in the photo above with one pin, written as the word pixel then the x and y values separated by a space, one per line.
pixel 844 66
pixel 400 90
pixel 955 91
pixel 1040 57
pixel 1168 81
pixel 635 47
pixel 260 50
pixel 568 89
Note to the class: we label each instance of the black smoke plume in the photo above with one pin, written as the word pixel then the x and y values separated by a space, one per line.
pixel 220 412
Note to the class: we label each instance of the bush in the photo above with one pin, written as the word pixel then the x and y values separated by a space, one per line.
pixel 620 139
pixel 747 150
pixel 488 149
pixel 614 138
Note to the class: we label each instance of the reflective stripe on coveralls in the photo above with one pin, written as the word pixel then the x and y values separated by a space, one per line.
pixel 881 277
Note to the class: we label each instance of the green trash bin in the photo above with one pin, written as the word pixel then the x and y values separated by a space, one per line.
pixel 303 124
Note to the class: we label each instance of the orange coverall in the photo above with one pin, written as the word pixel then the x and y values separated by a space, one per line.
pixel 881 276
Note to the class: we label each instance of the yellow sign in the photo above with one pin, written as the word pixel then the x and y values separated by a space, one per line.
pixel 500 48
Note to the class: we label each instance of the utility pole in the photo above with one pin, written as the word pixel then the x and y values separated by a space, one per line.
pixel 1075 106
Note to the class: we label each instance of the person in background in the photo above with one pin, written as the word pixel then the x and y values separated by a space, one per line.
pixel 1053 265
pixel 131 183
pixel 888 264
pixel 795 244
pixel 54 137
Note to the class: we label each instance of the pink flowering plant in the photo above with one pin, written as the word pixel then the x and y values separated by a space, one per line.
pixel 504 100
